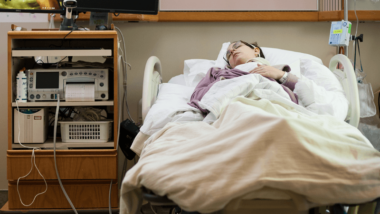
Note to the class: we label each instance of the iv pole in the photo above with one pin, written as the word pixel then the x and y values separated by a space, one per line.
pixel 346 19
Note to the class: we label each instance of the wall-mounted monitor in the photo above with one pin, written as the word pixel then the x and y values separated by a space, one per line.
pixel 55 6
pixel 31 6
pixel 118 6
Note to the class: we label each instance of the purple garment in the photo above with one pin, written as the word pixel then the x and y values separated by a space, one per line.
pixel 214 75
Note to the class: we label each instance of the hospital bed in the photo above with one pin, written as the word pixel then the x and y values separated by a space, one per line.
pixel 152 80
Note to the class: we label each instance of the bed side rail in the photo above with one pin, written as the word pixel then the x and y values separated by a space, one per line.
pixel 152 79
pixel 348 80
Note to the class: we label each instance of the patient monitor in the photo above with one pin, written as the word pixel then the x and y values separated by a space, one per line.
pixel 46 84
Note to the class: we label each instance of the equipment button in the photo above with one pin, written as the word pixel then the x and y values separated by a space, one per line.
pixel 44 96
pixel 85 73
pixel 64 73
pixel 103 96
pixel 76 73
pixel 31 79
pixel 90 73
pixel 30 85
pixel 71 74
pixel 80 73
pixel 95 74
pixel 52 96
pixel 31 96
pixel 101 84
pixel 38 96
pixel 101 76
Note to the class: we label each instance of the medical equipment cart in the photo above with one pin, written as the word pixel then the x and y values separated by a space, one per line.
pixel 86 169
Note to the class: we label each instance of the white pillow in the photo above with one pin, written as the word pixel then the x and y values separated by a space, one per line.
pixel 171 101
pixel 278 56
pixel 275 56
pixel 195 69
pixel 220 62
pixel 179 80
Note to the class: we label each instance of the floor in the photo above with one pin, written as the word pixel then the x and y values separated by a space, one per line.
pixel 3 197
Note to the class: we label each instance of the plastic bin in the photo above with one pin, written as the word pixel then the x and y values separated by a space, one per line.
pixel 86 131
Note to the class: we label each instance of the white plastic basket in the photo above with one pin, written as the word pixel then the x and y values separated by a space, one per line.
pixel 86 131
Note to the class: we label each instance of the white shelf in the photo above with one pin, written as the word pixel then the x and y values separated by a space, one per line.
pixel 89 52
pixel 62 103
pixel 59 145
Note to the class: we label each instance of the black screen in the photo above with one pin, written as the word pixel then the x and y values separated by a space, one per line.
pixel 47 80
pixel 119 6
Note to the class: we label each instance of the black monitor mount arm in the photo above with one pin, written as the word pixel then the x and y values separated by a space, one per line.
pixel 68 20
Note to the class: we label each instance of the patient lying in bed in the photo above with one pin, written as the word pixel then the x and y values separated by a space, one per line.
pixel 243 59
pixel 269 148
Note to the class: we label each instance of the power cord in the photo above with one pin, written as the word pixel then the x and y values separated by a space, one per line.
pixel 33 162
pixel 125 70
pixel 62 39
pixel 55 159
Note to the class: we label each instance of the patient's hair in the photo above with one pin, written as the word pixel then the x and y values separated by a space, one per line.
pixel 254 44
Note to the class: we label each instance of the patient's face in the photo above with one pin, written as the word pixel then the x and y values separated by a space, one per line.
pixel 238 53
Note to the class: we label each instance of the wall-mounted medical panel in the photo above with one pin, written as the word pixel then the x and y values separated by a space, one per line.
pixel 239 5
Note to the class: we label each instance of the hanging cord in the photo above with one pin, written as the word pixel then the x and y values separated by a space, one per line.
pixel 109 199
pixel 360 78
pixel 125 70
pixel 357 23
pixel 33 162
pixel 62 40
pixel 55 159
pixel 360 59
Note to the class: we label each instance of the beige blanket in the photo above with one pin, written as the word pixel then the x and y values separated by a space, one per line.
pixel 254 150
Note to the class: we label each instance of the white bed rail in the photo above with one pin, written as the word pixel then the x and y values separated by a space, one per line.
pixel 152 78
pixel 347 78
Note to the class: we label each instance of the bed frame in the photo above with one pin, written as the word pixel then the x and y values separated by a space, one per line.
pixel 346 76
pixel 153 73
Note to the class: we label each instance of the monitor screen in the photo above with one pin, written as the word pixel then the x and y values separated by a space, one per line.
pixel 33 6
pixel 119 6
pixel 47 80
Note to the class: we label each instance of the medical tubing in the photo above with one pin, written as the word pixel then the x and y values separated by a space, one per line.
pixel 33 162
pixel 55 159
pixel 357 25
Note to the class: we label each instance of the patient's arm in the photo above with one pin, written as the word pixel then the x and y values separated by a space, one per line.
pixel 291 81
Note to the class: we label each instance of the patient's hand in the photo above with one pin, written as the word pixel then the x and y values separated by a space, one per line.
pixel 268 71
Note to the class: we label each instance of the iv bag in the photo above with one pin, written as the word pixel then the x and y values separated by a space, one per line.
pixel 366 99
